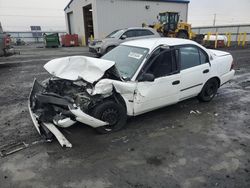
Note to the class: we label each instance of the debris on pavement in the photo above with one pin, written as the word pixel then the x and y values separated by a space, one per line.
pixel 123 139
pixel 195 112
pixel 14 147
pixel 9 149
pixel 131 149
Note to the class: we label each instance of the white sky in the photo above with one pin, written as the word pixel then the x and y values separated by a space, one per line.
pixel 19 15
pixel 201 12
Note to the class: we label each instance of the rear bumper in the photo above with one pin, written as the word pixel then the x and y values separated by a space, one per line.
pixel 76 114
pixel 227 77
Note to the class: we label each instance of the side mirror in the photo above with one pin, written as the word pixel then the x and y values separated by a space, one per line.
pixel 123 37
pixel 147 77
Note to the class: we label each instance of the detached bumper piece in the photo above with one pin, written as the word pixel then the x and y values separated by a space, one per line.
pixel 87 119
pixel 49 110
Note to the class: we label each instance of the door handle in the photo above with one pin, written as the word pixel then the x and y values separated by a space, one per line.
pixel 206 71
pixel 176 82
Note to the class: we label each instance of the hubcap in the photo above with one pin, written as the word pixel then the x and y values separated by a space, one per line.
pixel 210 90
pixel 111 116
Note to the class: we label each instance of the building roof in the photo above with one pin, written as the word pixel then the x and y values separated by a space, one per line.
pixel 68 5
pixel 166 1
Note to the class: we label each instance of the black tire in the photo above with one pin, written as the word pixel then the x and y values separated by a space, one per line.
pixel 209 90
pixel 113 113
pixel 182 35
pixel 110 48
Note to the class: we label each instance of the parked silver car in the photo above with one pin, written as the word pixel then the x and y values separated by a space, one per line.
pixel 117 37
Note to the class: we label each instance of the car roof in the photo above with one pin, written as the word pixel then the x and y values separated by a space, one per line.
pixel 152 43
pixel 139 28
pixel 134 28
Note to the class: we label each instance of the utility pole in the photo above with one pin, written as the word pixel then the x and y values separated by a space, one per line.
pixel 214 20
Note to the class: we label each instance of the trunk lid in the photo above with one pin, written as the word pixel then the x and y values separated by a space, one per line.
pixel 218 53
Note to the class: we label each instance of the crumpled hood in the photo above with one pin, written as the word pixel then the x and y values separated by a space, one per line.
pixel 75 67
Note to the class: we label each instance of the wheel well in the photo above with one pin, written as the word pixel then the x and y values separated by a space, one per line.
pixel 216 78
pixel 120 100
pixel 112 46
pixel 117 98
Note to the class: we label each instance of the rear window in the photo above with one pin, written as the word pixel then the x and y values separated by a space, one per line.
pixel 131 33
pixel 144 32
pixel 190 57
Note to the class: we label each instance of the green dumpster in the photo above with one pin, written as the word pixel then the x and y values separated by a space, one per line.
pixel 51 40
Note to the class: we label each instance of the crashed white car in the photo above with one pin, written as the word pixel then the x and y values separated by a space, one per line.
pixel 134 78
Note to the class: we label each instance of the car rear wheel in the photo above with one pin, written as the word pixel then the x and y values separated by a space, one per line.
pixel 182 35
pixel 209 90
pixel 113 113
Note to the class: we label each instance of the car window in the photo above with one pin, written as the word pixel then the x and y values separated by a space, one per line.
pixel 203 57
pixel 143 32
pixel 189 57
pixel 163 64
pixel 115 34
pixel 130 33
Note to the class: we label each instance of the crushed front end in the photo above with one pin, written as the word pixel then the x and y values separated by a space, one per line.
pixel 61 103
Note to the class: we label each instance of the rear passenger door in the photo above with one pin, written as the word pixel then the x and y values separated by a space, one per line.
pixel 194 70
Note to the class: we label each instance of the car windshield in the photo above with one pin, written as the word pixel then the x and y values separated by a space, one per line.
pixel 115 34
pixel 127 59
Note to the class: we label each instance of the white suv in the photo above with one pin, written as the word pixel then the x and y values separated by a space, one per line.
pixel 117 37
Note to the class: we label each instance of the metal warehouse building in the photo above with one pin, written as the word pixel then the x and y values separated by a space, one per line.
pixel 101 17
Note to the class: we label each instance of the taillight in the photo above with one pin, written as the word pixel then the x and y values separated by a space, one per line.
pixel 232 66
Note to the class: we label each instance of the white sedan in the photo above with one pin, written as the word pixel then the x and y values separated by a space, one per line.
pixel 135 77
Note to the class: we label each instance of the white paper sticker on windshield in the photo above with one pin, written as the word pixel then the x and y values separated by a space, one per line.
pixel 135 55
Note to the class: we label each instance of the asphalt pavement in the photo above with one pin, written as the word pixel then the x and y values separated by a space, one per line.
pixel 187 145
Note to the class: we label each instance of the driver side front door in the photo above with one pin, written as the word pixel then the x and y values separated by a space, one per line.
pixel 164 90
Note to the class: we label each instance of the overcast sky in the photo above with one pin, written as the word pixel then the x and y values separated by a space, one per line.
pixel 201 12
pixel 20 14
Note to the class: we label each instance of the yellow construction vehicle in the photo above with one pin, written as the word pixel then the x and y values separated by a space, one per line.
pixel 170 26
